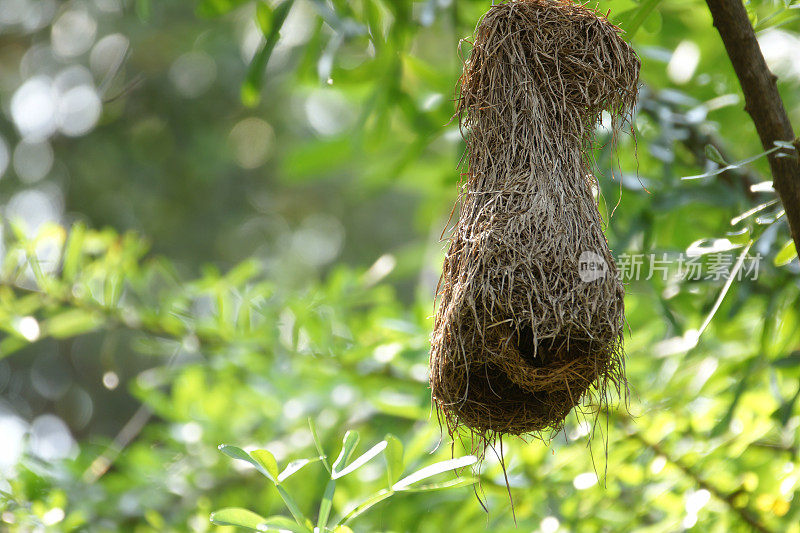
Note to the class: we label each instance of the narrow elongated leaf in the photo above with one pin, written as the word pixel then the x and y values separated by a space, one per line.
pixel 238 453
pixel 71 323
pixel 328 15
pixel 293 508
pixel 267 460
pixel 731 277
pixel 394 458
pixel 294 466
pixel 251 89
pixel 264 15
pixel 786 255
pixel 432 470
pixel 215 8
pixel 739 237
pixel 234 516
pixel 753 211
pixel 786 145
pixel 791 360
pixel 11 344
pixel 732 165
pixel 713 154
pixel 637 16
pixel 143 9
pixel 349 443
pixel 453 483
pixel 73 251
pixel 366 505
pixel 360 461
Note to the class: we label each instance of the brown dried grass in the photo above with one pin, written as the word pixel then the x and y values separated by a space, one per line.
pixel 520 339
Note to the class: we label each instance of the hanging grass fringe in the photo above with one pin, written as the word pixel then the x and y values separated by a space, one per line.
pixel 522 334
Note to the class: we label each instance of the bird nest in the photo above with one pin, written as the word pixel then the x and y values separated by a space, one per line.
pixel 530 315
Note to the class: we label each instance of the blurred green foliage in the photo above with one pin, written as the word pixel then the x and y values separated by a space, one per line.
pixel 248 237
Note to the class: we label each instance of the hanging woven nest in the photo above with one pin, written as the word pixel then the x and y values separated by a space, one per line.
pixel 530 316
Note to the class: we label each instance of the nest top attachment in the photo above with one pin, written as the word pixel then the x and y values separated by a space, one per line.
pixel 570 55
pixel 522 335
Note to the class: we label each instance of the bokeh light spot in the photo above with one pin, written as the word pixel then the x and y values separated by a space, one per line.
pixel 327 112
pixel 50 438
pixel 585 481
pixel 252 140
pixel 78 111
pixel 193 73
pixel 32 160
pixel 33 108
pixel 108 54
pixel 319 239
pixel 73 33
pixel 549 524
pixel 683 63
pixel 28 327
pixel 110 380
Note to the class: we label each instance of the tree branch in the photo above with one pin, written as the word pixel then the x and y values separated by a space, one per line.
pixel 762 102
pixel 753 520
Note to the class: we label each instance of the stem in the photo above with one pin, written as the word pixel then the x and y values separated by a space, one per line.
pixel 762 102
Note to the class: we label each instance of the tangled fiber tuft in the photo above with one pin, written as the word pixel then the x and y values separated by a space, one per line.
pixel 524 330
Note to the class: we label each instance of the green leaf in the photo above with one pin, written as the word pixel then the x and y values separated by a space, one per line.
pixel 349 443
pixel 713 154
pixel 294 466
pixel 366 505
pixel 739 237
pixel 215 8
pixel 453 483
pixel 394 458
pixel 432 470
pixel 251 88
pixel 634 18
pixel 786 145
pixel 267 460
pixel 72 252
pixel 325 505
pixel 791 360
pixel 293 508
pixel 786 255
pixel 11 344
pixel 235 516
pixel 71 323
pixel 328 15
pixel 732 165
pixel 264 15
pixel 360 461
pixel 243 272
pixel 143 9
pixel 238 453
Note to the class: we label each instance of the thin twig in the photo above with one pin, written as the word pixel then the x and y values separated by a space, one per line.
pixel 728 499
pixel 128 432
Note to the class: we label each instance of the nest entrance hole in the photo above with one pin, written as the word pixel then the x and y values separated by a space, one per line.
pixel 545 352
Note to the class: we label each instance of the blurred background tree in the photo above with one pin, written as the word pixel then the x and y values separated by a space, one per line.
pixel 222 219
